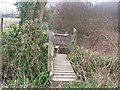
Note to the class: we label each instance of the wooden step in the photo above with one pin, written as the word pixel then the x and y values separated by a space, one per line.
pixel 62 69
pixel 60 76
pixel 66 65
pixel 64 73
pixel 63 79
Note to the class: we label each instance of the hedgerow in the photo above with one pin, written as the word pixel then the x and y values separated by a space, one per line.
pixel 24 56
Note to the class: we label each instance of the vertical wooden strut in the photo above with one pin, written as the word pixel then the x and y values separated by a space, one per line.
pixel 73 40
pixel 50 52
pixel 1 54
pixel 1 24
pixel 74 37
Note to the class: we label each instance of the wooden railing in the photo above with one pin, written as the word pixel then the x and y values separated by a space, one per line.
pixel 51 46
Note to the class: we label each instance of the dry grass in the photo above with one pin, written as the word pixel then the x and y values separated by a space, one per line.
pixel 90 65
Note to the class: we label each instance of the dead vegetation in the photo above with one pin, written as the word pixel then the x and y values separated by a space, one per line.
pixel 94 66
pixel 96 25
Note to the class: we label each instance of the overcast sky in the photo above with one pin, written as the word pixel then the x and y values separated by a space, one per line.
pixel 6 6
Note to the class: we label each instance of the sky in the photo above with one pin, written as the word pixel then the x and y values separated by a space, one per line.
pixel 6 6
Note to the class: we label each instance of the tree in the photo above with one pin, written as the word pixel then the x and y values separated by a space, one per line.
pixel 39 10
pixel 88 19
pixel 30 10
pixel 26 10
pixel 96 25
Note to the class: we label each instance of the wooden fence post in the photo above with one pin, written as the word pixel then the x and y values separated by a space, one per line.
pixel 74 37
pixel 73 40
pixel 1 24
pixel 50 52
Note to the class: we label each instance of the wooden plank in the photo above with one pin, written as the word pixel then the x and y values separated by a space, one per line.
pixel 65 76
pixel 65 65
pixel 67 71
pixel 57 34
pixel 62 69
pixel 64 73
pixel 65 68
pixel 63 79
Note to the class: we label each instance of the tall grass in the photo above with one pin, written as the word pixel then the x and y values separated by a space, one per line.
pixel 93 69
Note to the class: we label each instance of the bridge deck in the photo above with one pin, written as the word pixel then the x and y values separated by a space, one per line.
pixel 62 69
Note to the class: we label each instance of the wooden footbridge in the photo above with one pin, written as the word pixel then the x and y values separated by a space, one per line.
pixel 62 70
pixel 58 63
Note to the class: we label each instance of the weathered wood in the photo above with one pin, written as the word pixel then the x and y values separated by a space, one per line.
pixel 57 34
pixel 50 52
pixel 58 73
pixel 63 79
pixel 1 24
pixel 73 40
pixel 75 36
pixel 1 54
pixel 62 70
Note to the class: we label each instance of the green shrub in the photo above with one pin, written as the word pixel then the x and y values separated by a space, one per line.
pixel 50 26
pixel 25 56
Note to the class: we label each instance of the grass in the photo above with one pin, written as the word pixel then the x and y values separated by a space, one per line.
pixel 93 69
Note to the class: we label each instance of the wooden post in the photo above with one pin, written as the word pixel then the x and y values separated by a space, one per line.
pixel 1 54
pixel 75 37
pixel 73 40
pixel 69 41
pixel 1 24
pixel 50 52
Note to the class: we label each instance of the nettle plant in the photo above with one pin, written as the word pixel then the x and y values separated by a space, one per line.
pixel 25 55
